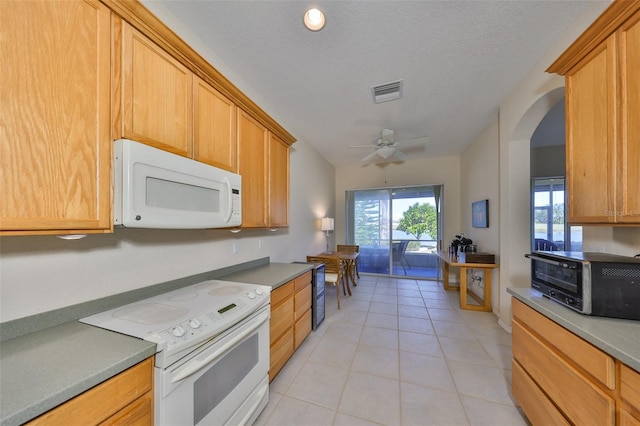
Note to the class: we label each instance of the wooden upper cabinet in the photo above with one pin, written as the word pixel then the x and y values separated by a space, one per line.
pixel 156 95
pixel 214 136
pixel 590 116
pixel 602 70
pixel 629 158
pixel 252 166
pixel 278 182
pixel 55 154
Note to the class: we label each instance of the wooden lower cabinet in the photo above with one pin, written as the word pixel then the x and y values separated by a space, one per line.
pixel 630 395
pixel 126 399
pixel 559 378
pixel 290 321
pixel 302 305
pixel 539 409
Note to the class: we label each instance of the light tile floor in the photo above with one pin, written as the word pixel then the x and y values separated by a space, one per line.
pixel 399 352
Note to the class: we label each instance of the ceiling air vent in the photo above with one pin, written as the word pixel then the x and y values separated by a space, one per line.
pixel 387 92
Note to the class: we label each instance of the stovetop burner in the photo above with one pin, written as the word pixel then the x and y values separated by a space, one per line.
pixel 183 319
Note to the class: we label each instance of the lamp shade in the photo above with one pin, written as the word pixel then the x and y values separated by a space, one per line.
pixel 327 224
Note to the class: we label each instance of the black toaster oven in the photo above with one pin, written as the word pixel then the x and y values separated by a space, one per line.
pixel 597 284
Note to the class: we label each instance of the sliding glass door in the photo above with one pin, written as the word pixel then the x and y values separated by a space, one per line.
pixel 397 229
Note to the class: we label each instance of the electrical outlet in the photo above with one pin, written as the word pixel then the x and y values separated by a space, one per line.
pixel 260 243
pixel 235 248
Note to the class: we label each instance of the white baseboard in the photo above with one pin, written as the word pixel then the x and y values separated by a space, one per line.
pixel 504 325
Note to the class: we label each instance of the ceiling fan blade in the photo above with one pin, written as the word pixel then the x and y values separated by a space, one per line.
pixel 408 143
pixel 400 155
pixel 369 158
pixel 361 146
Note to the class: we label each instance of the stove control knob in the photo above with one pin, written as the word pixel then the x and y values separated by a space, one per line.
pixel 195 323
pixel 259 292
pixel 251 295
pixel 178 331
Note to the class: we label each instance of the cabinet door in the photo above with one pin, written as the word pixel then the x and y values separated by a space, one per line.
pixel 630 386
pixel 214 138
pixel 252 166
pixel 580 400
pixel 123 399
pixel 278 182
pixel 156 95
pixel 55 154
pixel 629 54
pixel 590 112
pixel 302 329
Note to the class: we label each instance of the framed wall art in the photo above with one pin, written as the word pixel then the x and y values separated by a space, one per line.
pixel 480 214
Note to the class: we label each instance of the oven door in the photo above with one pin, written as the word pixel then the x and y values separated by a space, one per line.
pixel 225 382
pixel 559 279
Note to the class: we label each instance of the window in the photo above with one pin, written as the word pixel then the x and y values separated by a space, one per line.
pixel 548 217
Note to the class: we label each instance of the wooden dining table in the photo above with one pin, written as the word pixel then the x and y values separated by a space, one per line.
pixel 349 261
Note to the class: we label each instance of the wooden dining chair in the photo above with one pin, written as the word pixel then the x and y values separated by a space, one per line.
pixel 346 248
pixel 333 273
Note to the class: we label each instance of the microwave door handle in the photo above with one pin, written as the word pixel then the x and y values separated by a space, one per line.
pixel 542 259
pixel 549 261
pixel 229 201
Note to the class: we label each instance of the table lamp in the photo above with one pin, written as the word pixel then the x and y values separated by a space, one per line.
pixel 327 225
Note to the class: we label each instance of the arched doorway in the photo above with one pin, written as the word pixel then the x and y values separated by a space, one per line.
pixel 515 198
pixel 549 228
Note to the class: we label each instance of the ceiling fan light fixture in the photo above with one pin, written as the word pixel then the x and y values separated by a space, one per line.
pixel 385 151
pixel 314 19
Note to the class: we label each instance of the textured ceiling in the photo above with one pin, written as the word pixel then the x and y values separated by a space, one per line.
pixel 458 60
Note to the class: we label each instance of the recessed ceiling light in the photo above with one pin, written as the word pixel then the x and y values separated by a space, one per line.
pixel 314 19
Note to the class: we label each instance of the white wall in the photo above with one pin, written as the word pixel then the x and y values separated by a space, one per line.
pixel 442 170
pixel 480 181
pixel 42 273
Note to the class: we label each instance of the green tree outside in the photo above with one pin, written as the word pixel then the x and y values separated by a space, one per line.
pixel 367 222
pixel 418 220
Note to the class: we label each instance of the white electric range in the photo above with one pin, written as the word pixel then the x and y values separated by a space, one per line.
pixel 213 350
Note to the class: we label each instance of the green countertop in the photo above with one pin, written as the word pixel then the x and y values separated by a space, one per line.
pixel 272 274
pixel 44 369
pixel 619 338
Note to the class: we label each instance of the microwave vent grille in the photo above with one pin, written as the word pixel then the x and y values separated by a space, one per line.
pixel 620 273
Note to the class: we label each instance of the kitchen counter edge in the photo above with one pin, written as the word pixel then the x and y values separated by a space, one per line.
pixel 617 337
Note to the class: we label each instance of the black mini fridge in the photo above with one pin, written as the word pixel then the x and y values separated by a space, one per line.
pixel 317 294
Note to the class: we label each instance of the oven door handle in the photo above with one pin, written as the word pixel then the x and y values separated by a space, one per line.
pixel 192 367
pixel 251 411
pixel 552 262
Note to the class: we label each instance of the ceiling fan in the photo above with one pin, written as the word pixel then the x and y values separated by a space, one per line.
pixel 386 146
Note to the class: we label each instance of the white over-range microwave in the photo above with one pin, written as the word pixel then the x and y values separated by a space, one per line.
pixel 158 189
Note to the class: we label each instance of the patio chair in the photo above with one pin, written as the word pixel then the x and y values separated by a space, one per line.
pixel 546 245
pixel 397 254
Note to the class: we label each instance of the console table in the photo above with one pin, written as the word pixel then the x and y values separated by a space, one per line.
pixel 452 260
